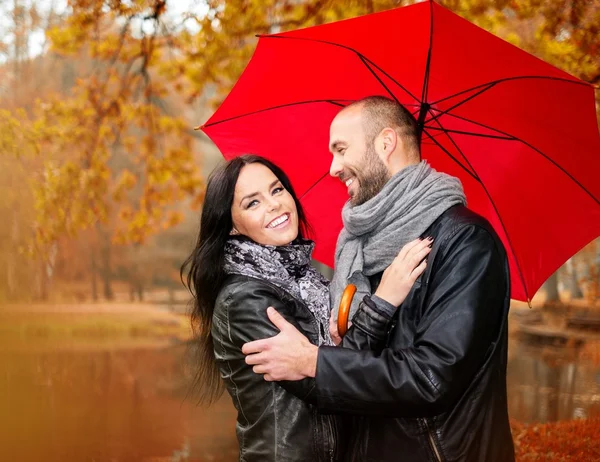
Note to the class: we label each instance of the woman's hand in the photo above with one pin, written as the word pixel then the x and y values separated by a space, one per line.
pixel 333 330
pixel 399 277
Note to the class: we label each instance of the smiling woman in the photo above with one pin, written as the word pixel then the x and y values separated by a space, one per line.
pixel 251 254
pixel 263 209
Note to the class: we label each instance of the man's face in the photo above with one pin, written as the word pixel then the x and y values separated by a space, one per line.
pixel 355 160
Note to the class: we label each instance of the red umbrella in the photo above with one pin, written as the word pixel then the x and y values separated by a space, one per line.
pixel 521 134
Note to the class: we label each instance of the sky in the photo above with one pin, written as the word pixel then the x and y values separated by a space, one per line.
pixel 37 40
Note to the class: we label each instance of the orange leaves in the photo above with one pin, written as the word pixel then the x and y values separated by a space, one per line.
pixel 574 440
pixel 125 182
pixel 16 138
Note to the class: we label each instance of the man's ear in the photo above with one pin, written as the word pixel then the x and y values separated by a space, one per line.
pixel 386 144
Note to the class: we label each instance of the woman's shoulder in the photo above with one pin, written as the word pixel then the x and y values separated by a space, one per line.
pixel 238 288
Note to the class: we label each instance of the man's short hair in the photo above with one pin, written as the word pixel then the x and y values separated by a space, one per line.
pixel 379 112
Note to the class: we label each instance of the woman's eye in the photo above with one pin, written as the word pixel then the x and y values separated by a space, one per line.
pixel 278 190
pixel 252 204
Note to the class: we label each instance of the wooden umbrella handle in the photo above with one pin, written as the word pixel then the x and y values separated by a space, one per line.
pixel 344 310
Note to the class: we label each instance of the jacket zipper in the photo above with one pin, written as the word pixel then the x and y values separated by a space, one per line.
pixel 432 442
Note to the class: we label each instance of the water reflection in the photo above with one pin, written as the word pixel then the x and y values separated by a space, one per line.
pixel 549 383
pixel 130 404
pixel 108 406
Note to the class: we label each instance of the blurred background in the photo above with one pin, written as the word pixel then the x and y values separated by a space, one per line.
pixel 101 186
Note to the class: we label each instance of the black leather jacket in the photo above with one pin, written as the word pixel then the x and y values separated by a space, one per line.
pixel 432 380
pixel 276 420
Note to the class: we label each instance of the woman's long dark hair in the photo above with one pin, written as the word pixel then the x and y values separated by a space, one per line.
pixel 206 274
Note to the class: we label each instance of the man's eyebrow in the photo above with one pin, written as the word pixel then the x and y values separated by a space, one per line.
pixel 257 193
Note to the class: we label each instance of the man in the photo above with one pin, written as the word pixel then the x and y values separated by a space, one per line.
pixel 429 376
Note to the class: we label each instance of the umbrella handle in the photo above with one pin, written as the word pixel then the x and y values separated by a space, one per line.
pixel 344 309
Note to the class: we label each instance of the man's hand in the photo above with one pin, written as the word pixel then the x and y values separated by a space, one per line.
pixel 287 356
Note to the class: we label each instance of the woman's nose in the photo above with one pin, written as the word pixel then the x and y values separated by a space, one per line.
pixel 273 204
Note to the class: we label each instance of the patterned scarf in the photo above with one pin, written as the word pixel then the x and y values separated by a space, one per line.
pixel 287 267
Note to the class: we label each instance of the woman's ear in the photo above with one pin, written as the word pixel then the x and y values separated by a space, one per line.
pixel 234 232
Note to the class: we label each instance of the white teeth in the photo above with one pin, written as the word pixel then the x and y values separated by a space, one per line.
pixel 278 221
pixel 349 181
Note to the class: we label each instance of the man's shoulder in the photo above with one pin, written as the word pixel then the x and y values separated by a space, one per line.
pixel 460 220
pixel 459 216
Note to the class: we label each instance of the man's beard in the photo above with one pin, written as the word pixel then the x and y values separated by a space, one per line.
pixel 372 177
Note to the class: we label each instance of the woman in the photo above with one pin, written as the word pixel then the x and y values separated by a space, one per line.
pixel 251 254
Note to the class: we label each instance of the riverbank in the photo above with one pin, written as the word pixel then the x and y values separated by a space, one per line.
pixel 90 325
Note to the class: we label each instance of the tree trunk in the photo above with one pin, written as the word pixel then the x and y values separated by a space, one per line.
pixel 106 270
pixel 551 288
pixel 575 289
pixel 43 281
pixel 94 272
pixel 13 260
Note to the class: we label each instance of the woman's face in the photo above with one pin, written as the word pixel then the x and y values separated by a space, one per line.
pixel 263 209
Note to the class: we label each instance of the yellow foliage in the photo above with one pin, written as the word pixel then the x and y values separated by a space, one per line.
pixel 110 153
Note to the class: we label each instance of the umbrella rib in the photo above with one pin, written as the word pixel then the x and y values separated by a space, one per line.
pixel 378 78
pixel 489 196
pixel 549 159
pixel 346 47
pixel 428 63
pixel 483 135
pixel 424 110
pixel 281 106
pixel 470 173
pixel 447 111
pixel 388 76
pixel 444 131
pixel 315 184
pixel 507 79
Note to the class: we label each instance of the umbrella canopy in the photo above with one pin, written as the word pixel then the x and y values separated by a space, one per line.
pixel 521 134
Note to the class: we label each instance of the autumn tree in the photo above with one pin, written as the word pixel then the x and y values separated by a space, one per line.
pixel 113 154
pixel 116 158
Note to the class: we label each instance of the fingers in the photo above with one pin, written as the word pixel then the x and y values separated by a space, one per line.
pixel 414 246
pixel 407 247
pixel 418 271
pixel 255 359
pixel 333 329
pixel 255 346
pixel 424 245
pixel 277 319
pixel 263 371
pixel 418 257
pixel 259 369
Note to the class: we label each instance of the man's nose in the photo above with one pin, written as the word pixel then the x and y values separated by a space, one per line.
pixel 336 167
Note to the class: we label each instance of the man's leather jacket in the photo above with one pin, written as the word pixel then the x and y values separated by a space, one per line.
pixel 431 380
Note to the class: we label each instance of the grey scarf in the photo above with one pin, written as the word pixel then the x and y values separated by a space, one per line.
pixel 287 267
pixel 374 232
